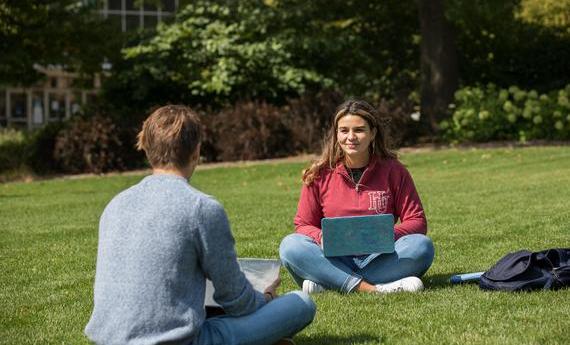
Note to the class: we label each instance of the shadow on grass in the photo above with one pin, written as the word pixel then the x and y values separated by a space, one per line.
pixel 441 281
pixel 354 339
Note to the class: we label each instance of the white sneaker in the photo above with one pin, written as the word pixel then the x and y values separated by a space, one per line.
pixel 312 287
pixel 408 284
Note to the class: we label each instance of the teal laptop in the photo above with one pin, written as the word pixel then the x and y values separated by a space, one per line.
pixel 358 235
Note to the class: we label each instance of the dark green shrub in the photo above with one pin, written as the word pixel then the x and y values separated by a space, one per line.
pixel 258 130
pixel 488 113
pixel 13 146
pixel 309 117
pixel 89 144
pixel 40 149
pixel 248 130
pixel 403 126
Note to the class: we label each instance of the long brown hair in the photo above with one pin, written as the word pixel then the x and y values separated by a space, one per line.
pixel 332 153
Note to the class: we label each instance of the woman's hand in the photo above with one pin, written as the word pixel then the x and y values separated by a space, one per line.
pixel 270 292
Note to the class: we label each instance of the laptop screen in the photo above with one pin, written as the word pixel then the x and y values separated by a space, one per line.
pixel 358 235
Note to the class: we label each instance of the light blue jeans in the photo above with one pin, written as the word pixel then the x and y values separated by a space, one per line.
pixel 304 259
pixel 280 318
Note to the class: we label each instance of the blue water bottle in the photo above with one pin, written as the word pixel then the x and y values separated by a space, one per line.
pixel 465 277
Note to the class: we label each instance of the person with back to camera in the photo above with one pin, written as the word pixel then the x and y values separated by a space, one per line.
pixel 158 242
pixel 358 175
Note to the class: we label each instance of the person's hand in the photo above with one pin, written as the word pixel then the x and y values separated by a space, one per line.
pixel 270 292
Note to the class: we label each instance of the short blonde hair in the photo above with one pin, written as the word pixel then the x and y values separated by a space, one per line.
pixel 169 136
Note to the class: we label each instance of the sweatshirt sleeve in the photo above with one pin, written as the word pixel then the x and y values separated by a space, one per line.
pixel 218 260
pixel 408 207
pixel 309 213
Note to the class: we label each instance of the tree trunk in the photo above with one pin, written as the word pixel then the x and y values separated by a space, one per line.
pixel 439 75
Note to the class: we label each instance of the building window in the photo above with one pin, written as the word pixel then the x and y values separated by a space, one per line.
pixel 56 103
pixel 168 5
pixel 150 22
pixel 131 5
pixel 114 4
pixel 133 22
pixel 150 7
pixel 19 105
pixel 132 15
pixel 38 108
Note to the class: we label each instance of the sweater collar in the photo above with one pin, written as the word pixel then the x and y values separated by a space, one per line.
pixel 341 169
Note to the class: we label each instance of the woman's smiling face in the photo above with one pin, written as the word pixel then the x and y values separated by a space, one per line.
pixel 354 136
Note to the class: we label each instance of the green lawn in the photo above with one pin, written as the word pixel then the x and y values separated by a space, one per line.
pixel 481 204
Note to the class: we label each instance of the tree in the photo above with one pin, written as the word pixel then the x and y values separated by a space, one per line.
pixel 223 51
pixel 504 43
pixel 439 75
pixel 65 33
pixel 220 51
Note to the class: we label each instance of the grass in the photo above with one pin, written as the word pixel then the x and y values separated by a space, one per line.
pixel 480 203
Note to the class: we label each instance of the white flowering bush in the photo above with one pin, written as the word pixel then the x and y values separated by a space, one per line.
pixel 489 113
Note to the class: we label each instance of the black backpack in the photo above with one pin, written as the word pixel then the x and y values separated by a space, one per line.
pixel 525 271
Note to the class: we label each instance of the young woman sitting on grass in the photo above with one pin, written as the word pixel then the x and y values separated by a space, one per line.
pixel 358 175
pixel 158 242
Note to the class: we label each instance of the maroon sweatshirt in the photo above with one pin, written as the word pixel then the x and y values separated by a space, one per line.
pixel 385 187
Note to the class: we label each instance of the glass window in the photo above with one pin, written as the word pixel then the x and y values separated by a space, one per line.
pixel 150 22
pixel 132 5
pixel 168 19
pixel 19 105
pixel 133 22
pixel 150 6
pixel 114 4
pixel 168 5
pixel 37 108
pixel 56 103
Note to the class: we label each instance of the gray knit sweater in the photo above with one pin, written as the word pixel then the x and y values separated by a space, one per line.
pixel 158 241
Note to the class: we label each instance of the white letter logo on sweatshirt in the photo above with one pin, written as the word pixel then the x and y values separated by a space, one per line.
pixel 378 201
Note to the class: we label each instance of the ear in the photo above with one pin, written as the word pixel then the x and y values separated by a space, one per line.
pixel 373 134
pixel 196 154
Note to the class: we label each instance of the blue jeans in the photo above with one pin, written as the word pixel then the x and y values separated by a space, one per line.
pixel 280 318
pixel 304 259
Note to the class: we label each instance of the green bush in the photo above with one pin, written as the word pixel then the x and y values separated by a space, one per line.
pixel 488 113
pixel 13 146
pixel 24 152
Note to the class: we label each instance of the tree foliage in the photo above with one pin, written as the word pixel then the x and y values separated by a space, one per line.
pixel 548 13
pixel 224 51
pixel 217 52
pixel 65 33
pixel 496 46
